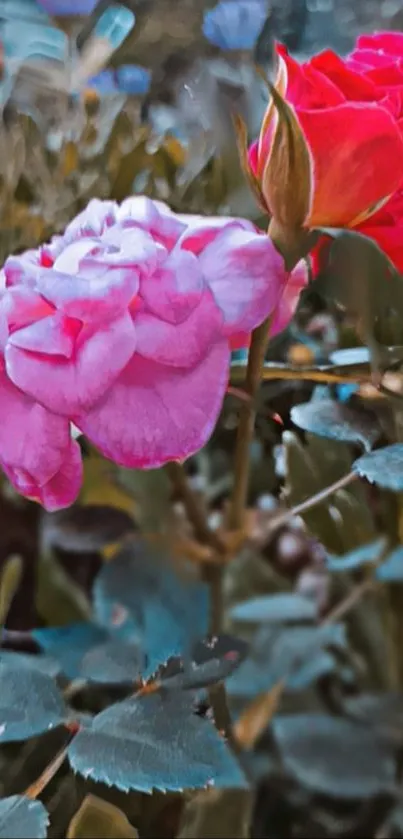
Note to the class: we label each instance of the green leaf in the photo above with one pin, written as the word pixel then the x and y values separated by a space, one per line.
pixel 283 653
pixel 305 476
pixel 275 608
pixel 211 661
pixel 391 571
pixel 351 356
pixel 30 703
pixel 334 756
pixel 383 467
pixel 167 611
pixel 59 600
pixel 154 741
pixel 356 559
pixel 88 651
pixel 22 818
pixel 358 523
pixel 361 278
pixel 42 663
pixel 336 421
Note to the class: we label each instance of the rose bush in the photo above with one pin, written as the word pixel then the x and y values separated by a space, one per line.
pixel 350 113
pixel 123 326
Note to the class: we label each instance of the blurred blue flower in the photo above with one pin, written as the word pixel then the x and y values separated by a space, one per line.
pixel 68 8
pixel 235 24
pixel 133 79
pixel 104 82
pixel 22 10
pixel 114 25
pixel 344 391
pixel 130 79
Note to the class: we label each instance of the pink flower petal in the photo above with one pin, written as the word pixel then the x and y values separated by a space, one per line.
pixel 104 296
pixel 69 259
pixel 202 231
pixel 175 289
pixel 154 413
pixel 284 310
pixel 288 302
pixel 153 216
pixel 128 247
pixel 68 386
pixel 21 306
pixel 246 275
pixel 183 344
pixel 93 221
pixel 54 335
pixel 61 490
pixel 32 440
pixel 23 268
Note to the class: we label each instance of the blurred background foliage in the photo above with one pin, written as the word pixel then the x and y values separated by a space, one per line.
pixel 138 97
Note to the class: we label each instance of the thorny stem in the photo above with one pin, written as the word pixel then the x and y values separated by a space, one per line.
pixel 312 501
pixel 247 416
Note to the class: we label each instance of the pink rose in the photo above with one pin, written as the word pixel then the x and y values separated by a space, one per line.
pixel 122 326
pixel 285 309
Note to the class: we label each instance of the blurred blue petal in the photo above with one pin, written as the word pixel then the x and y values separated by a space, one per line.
pixel 33 39
pixel 26 10
pixel 235 24
pixel 114 25
pixel 133 79
pixel 68 8
pixel 104 82
pixel 129 79
pixel 239 356
pixel 345 391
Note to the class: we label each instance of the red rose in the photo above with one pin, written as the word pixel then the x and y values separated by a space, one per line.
pixel 386 228
pixel 379 60
pixel 349 112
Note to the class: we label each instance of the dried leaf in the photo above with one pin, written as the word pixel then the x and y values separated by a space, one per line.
pixel 99 819
pixel 257 716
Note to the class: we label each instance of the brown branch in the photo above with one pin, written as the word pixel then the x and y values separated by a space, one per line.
pixel 194 509
pixel 283 518
pixel 53 767
pixel 247 416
